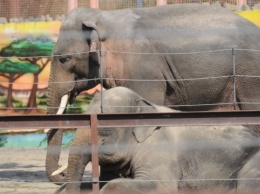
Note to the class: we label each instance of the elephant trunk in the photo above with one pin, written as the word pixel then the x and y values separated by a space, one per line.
pixel 54 137
pixel 60 86
pixel 79 157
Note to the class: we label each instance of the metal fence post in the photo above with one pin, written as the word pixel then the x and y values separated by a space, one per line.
pixel 241 2
pixel 101 77
pixel 72 4
pixel 94 4
pixel 15 8
pixel 139 3
pixel 161 2
pixel 94 153
pixel 234 78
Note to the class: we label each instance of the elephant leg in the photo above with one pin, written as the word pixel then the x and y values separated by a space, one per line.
pixel 79 156
pixel 249 175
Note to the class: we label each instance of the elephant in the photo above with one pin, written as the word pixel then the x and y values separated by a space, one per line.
pixel 158 159
pixel 189 57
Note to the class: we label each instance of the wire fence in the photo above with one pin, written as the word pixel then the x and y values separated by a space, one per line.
pixel 35 10
pixel 205 146
pixel 233 60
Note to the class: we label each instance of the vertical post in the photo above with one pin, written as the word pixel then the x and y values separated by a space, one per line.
pixel 94 4
pixel 161 2
pixel 234 78
pixel 94 153
pixel 101 76
pixel 139 3
pixel 14 6
pixel 72 4
pixel 176 1
pixel 241 2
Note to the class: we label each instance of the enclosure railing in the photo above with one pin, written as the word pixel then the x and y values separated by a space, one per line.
pixel 234 60
pixel 94 121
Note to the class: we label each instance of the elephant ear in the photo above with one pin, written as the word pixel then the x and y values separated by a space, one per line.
pixel 144 106
pixel 93 37
pixel 142 133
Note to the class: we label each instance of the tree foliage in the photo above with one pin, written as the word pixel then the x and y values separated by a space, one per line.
pixel 10 67
pixel 29 47
pixel 34 55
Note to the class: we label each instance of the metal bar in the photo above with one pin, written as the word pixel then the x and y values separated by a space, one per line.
pixel 234 78
pixel 94 153
pixel 44 121
pixel 72 4
pixel 241 2
pixel 131 120
pixel 101 77
pixel 139 3
pixel 15 8
pixel 94 4
pixel 179 119
pixel 161 2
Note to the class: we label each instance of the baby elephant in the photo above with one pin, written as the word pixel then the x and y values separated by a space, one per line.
pixel 165 159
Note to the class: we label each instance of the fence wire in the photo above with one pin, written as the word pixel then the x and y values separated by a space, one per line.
pixel 46 10
pixel 238 60
pixel 18 173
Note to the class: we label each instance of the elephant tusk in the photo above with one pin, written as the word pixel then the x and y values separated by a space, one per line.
pixel 62 107
pixel 63 104
pixel 60 170
pixel 46 130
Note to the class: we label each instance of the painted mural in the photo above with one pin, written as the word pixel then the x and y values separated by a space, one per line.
pixel 25 50
pixel 251 15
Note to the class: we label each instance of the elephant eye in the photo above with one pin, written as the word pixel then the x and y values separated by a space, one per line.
pixel 105 131
pixel 64 59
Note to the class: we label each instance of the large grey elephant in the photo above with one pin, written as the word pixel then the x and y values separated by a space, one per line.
pixel 133 48
pixel 165 159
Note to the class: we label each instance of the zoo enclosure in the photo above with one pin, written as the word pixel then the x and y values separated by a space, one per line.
pixel 94 121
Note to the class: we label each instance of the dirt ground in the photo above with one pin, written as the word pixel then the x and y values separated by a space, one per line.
pixel 22 170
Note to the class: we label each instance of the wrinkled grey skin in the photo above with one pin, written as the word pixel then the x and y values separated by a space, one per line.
pixel 164 29
pixel 173 154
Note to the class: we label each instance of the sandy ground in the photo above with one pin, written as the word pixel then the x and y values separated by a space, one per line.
pixel 22 170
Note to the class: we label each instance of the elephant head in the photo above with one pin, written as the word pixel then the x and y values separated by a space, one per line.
pixel 112 141
pixel 77 44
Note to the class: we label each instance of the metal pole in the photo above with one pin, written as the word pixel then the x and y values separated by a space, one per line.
pixel 161 2
pixel 101 79
pixel 241 2
pixel 139 3
pixel 234 78
pixel 15 12
pixel 94 153
pixel 72 4
pixel 94 4
pixel 176 1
